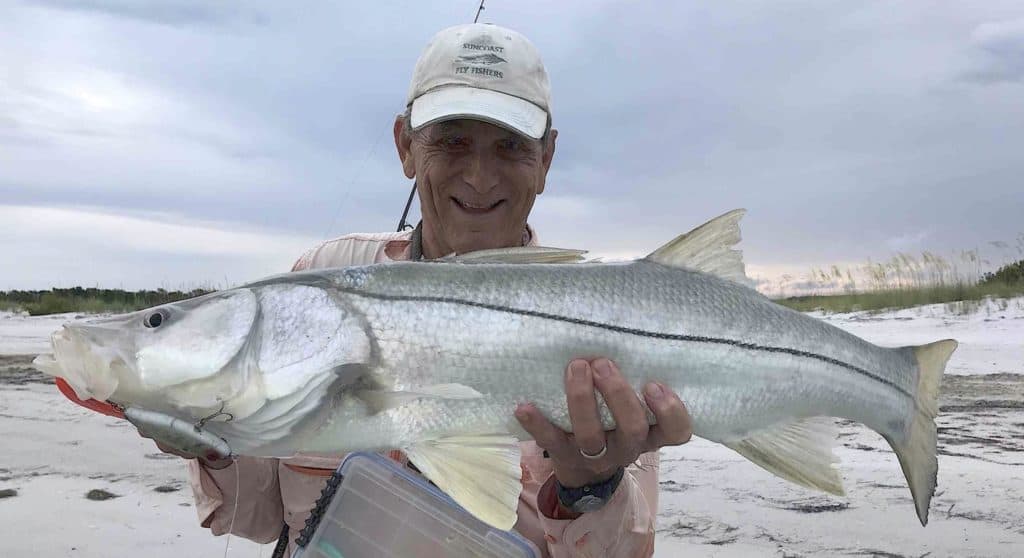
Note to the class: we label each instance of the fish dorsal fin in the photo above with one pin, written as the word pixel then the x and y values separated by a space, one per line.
pixel 800 452
pixel 708 248
pixel 521 255
pixel 481 473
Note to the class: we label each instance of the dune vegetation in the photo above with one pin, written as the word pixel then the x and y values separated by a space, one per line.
pixel 90 300
pixel 903 281
pixel 906 280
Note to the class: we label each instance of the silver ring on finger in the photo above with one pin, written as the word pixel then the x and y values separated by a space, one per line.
pixel 597 455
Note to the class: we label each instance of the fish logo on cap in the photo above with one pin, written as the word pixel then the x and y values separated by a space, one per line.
pixel 482 59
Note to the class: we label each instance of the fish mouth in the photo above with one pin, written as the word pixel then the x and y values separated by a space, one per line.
pixel 80 356
pixel 472 207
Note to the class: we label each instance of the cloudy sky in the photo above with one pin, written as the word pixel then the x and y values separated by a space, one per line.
pixel 180 143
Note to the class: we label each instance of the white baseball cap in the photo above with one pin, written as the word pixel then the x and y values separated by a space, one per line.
pixel 484 72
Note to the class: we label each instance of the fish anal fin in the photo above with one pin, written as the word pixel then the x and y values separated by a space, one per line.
pixel 481 473
pixel 800 452
pixel 708 248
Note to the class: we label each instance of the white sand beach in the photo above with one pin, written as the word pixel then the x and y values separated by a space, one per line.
pixel 713 502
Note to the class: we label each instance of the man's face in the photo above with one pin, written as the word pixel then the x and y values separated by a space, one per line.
pixel 477 182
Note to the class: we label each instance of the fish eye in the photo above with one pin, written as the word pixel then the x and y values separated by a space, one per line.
pixel 154 319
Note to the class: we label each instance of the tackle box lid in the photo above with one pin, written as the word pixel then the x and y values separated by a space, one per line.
pixel 381 509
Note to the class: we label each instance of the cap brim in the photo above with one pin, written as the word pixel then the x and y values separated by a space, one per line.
pixel 449 103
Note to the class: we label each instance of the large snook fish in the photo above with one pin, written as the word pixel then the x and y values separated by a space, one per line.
pixel 433 357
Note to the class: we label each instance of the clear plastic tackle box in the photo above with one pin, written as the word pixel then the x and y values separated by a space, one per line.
pixel 373 507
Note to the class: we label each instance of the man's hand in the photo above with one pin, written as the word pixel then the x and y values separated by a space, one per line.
pixel 622 446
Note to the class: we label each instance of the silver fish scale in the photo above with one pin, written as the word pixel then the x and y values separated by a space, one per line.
pixel 641 296
pixel 508 331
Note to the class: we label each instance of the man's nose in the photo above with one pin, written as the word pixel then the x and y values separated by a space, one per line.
pixel 482 171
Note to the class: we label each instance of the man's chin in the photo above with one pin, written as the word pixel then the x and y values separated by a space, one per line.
pixel 483 239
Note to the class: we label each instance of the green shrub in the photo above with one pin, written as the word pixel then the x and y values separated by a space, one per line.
pixel 1009 274
pixel 90 300
pixel 906 297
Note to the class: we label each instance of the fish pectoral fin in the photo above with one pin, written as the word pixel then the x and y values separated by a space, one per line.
pixel 380 400
pixel 520 255
pixel 708 248
pixel 481 473
pixel 800 452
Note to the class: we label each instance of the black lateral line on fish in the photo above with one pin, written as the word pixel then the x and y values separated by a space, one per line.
pixel 632 331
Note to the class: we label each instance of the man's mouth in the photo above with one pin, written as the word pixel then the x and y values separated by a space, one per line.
pixel 476 208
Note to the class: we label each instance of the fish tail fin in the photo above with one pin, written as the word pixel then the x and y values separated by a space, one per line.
pixel 916 449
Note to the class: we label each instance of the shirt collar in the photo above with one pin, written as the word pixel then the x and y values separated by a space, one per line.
pixel 412 248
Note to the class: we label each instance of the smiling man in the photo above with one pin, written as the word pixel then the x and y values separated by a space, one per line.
pixel 477 138
pixel 477 182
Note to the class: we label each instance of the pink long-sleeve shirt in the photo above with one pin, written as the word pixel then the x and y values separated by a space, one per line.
pixel 253 497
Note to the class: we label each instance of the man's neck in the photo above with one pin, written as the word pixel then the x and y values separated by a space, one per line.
pixel 429 244
pixel 432 247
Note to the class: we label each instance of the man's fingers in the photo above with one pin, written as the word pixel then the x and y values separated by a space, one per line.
pixel 579 394
pixel 674 427
pixel 546 435
pixel 630 420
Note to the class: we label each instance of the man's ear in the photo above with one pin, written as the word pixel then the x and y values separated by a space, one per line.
pixel 403 143
pixel 547 156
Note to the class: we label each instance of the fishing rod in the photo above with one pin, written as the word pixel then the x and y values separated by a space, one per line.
pixel 402 225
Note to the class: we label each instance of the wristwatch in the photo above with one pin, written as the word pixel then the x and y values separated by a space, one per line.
pixel 589 497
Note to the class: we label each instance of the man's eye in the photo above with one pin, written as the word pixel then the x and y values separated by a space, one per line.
pixel 511 144
pixel 517 147
pixel 454 142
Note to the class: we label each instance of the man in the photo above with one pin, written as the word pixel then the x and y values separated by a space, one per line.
pixel 477 138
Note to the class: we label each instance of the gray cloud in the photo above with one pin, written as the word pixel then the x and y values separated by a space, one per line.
pixel 998 52
pixel 848 131
pixel 164 12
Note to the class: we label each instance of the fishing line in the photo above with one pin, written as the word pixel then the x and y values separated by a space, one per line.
pixel 356 175
pixel 234 509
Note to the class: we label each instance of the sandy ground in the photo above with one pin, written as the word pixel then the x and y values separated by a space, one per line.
pixel 713 502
